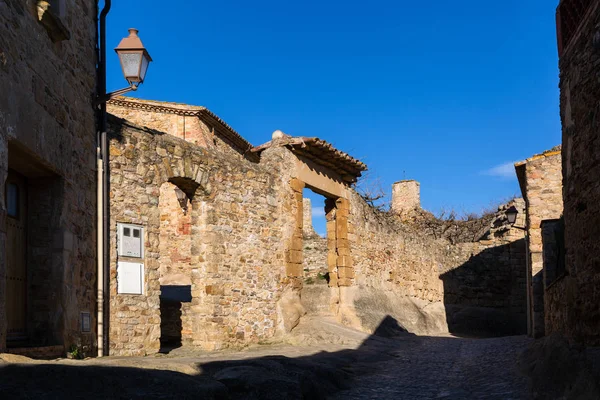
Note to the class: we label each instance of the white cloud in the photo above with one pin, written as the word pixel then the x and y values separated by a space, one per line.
pixel 506 170
pixel 318 212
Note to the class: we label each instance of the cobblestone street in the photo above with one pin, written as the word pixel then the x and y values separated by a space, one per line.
pixel 446 368
pixel 340 363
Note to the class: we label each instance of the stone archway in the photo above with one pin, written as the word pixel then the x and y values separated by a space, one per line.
pixel 181 220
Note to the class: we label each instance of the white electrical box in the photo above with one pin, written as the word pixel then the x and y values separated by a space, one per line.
pixel 131 240
pixel 130 278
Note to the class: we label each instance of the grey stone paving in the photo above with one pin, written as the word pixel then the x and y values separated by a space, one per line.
pixel 446 368
pixel 367 367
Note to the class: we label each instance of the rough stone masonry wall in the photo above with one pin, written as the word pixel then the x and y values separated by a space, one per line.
pixel 46 112
pixel 314 249
pixel 240 213
pixel 406 196
pixel 189 128
pixel 577 294
pixel 541 183
pixel 429 285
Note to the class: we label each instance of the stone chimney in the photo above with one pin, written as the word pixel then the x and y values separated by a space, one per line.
pixel 309 231
pixel 406 196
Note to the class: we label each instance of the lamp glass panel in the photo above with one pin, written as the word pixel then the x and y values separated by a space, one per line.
pixel 131 65
pixel 144 68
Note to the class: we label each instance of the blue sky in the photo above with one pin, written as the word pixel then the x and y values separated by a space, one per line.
pixel 442 92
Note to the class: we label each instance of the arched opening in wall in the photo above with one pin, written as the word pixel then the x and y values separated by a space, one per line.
pixel 317 210
pixel 175 258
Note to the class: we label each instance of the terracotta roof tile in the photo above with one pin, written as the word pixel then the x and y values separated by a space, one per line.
pixel 322 153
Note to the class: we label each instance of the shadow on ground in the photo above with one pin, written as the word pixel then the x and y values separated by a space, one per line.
pixel 274 377
pixel 391 362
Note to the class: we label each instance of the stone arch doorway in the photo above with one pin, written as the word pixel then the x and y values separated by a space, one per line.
pixel 182 209
pixel 340 272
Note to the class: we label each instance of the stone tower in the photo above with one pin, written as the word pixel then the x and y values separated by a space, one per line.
pixel 308 229
pixel 406 196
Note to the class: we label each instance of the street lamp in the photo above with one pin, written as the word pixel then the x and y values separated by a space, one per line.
pixel 511 214
pixel 134 60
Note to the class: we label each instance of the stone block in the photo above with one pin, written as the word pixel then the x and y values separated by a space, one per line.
pixel 296 243
pixel 215 290
pixel 341 229
pixel 294 256
pixel 297 185
pixel 294 270
pixel 344 282
pixel 332 261
pixel 346 272
pixel 344 261
pixel 343 251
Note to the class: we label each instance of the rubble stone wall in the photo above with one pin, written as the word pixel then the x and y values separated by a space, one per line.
pixel 540 178
pixel 579 318
pixel 188 127
pixel 430 285
pixel 239 215
pixel 406 196
pixel 47 133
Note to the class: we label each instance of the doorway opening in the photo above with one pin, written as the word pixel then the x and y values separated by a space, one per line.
pixel 172 299
pixel 314 238
pixel 175 259
pixel 34 256
pixel 319 251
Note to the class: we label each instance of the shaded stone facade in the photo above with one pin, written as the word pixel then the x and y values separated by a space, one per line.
pixel 431 285
pixel 577 294
pixel 540 179
pixel 47 163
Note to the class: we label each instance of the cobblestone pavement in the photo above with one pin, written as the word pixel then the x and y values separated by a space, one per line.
pixel 340 364
pixel 446 368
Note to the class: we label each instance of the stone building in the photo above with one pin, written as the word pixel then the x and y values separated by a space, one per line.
pixel 215 220
pixel 208 241
pixel 576 294
pixel 540 179
pixel 47 175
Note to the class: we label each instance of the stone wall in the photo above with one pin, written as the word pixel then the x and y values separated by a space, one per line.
pixel 194 124
pixel 240 216
pixel 47 135
pixel 555 309
pixel 540 178
pixel 579 106
pixel 470 282
pixel 315 257
pixel 430 285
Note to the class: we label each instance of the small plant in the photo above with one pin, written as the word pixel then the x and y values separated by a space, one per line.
pixel 74 353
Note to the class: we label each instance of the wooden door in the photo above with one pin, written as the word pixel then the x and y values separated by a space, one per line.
pixel 16 271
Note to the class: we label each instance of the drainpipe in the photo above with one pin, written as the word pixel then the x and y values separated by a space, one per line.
pixel 103 210
pixel 99 249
